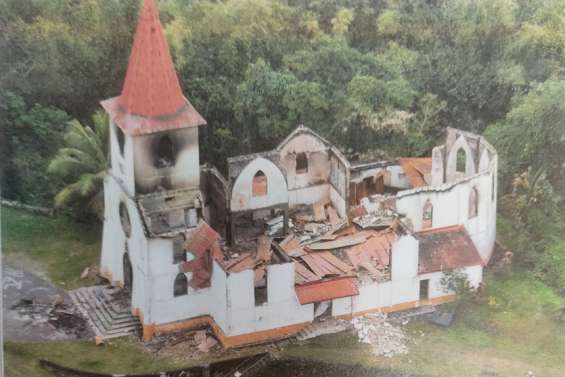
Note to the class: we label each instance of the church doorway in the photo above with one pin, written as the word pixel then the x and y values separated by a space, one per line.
pixel 128 273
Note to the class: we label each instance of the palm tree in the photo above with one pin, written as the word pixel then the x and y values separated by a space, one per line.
pixel 83 163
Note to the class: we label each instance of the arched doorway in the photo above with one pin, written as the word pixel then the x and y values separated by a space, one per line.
pixel 128 273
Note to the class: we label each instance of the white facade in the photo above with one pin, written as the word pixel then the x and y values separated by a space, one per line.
pixel 229 301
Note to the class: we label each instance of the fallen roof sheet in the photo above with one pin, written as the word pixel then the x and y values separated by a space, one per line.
pixel 326 290
pixel 416 170
pixel 446 249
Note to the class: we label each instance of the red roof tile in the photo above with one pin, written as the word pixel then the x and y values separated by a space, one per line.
pixel 326 290
pixel 151 99
pixel 446 248
pixel 204 245
pixel 416 169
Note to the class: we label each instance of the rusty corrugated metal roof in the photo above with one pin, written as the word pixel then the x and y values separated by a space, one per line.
pixel 446 248
pixel 416 170
pixel 151 99
pixel 326 290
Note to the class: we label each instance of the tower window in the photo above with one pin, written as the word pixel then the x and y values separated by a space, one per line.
pixel 260 184
pixel 461 161
pixel 121 139
pixel 473 203
pixel 427 215
pixel 181 285
pixel 165 155
pixel 301 163
pixel 124 219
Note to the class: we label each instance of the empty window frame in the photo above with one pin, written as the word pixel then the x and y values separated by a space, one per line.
pixel 301 163
pixel 473 203
pixel 260 184
pixel 424 290
pixel 179 253
pixel 124 219
pixel 261 293
pixel 181 285
pixel 461 163
pixel 165 152
pixel 121 139
pixel 427 215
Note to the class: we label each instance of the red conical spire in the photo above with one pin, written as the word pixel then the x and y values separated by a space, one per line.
pixel 151 98
pixel 151 87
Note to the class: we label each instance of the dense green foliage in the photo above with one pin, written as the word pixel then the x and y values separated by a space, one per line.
pixel 369 74
pixel 82 165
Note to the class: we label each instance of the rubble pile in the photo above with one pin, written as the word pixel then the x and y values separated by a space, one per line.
pixel 59 315
pixel 187 342
pixel 385 339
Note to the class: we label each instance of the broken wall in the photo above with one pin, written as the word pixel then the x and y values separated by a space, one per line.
pixel 242 197
pixel 318 161
pixel 214 188
pixel 451 206
pixel 183 171
pixel 281 309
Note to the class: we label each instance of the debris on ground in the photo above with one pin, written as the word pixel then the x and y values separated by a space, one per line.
pixel 57 314
pixel 385 339
pixel 185 342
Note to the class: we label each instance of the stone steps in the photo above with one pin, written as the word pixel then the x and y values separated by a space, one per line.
pixel 107 318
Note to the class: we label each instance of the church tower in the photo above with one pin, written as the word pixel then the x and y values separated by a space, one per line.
pixel 153 127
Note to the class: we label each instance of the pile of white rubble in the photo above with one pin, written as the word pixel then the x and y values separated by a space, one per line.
pixel 385 339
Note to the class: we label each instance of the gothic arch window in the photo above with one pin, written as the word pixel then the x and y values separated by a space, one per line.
pixel 124 219
pixel 165 152
pixel 473 203
pixel 121 139
pixel 427 214
pixel 181 285
pixel 260 184
pixel 301 163
pixel 461 162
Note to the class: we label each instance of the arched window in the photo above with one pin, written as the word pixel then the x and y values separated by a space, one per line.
pixel 121 139
pixel 181 285
pixel 427 214
pixel 301 163
pixel 165 155
pixel 473 203
pixel 461 161
pixel 179 253
pixel 260 184
pixel 124 219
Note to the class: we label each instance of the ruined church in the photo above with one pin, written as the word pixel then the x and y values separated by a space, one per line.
pixel 287 236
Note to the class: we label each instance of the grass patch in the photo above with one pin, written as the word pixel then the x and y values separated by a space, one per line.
pixel 59 246
pixel 120 356
pixel 513 328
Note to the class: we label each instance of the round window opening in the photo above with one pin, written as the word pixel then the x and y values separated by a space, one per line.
pixel 124 219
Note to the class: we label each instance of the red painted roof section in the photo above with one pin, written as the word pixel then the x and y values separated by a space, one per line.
pixel 416 170
pixel 204 245
pixel 326 290
pixel 151 99
pixel 446 248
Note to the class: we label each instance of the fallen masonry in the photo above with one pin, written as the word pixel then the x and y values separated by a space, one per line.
pixel 385 339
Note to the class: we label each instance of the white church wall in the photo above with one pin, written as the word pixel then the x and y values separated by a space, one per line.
pixel 242 197
pixel 436 288
pixel 184 173
pixel 338 202
pixel 309 195
pixel 451 207
pixel 281 309
pixel 122 163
